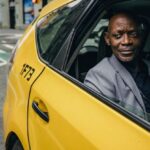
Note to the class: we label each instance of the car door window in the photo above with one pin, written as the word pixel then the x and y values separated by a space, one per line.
pixel 53 29
pixel 47 29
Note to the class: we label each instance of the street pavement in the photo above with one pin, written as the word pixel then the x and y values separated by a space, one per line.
pixel 8 40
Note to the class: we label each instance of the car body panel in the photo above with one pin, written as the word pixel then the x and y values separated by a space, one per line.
pixel 17 97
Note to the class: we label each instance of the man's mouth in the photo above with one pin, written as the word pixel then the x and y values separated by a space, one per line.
pixel 126 52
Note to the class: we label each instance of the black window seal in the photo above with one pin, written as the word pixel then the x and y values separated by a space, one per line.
pixel 60 59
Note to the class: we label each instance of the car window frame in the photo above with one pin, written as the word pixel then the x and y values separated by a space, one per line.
pixel 59 66
pixel 46 62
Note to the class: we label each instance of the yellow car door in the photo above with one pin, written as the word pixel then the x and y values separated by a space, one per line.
pixel 63 116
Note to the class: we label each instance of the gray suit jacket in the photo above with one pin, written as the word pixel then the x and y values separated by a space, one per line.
pixel 110 78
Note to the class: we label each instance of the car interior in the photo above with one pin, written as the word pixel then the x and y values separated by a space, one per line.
pixel 94 48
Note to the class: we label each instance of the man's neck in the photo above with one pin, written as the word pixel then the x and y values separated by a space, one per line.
pixel 132 66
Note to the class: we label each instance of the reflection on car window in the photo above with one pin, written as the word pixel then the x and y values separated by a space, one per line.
pixel 48 28
pixel 53 29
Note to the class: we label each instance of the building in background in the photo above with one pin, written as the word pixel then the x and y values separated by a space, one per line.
pixel 0 14
pixel 19 13
pixel 4 10
pixel 28 11
pixel 12 18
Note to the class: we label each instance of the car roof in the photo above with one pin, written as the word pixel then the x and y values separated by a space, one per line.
pixel 54 5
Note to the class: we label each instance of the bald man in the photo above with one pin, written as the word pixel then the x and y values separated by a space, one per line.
pixel 123 76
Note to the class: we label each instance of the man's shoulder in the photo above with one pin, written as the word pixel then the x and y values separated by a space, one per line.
pixel 103 65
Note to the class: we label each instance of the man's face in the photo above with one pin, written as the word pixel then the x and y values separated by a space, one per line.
pixel 123 37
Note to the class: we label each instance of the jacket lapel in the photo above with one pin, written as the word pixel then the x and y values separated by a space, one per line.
pixel 125 75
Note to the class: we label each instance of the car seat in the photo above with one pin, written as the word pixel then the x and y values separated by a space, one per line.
pixel 89 56
pixel 104 50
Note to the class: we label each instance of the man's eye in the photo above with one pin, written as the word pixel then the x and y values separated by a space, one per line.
pixel 133 34
pixel 117 36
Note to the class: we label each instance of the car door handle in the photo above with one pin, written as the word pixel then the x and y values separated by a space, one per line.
pixel 43 115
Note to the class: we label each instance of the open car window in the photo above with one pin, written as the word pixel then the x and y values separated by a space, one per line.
pixel 93 49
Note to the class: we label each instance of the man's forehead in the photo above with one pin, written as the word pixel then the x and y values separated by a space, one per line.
pixel 122 18
pixel 123 25
pixel 122 21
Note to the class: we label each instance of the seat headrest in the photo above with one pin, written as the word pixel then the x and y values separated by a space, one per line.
pixel 104 49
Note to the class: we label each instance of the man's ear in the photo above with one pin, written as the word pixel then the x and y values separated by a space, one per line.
pixel 106 36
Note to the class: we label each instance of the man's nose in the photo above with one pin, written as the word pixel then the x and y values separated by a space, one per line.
pixel 126 39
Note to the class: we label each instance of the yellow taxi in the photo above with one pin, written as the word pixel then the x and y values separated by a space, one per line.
pixel 47 105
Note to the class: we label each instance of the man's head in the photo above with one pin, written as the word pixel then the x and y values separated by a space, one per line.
pixel 123 36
